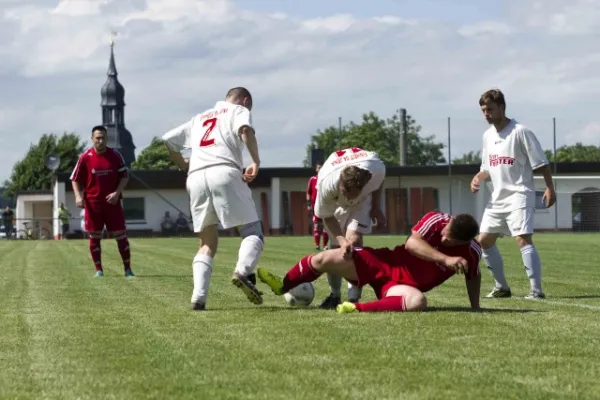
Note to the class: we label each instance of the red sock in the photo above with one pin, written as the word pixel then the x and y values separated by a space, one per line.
pixel 301 273
pixel 317 237
pixel 96 252
pixel 123 245
pixel 325 239
pixel 392 303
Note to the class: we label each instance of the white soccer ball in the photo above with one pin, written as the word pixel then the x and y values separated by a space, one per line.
pixel 301 296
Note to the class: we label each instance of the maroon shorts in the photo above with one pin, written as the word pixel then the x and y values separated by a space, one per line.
pixel 102 214
pixel 381 269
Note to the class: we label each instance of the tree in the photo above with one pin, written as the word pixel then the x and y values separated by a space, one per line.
pixel 575 153
pixel 472 157
pixel 381 136
pixel 31 172
pixel 154 157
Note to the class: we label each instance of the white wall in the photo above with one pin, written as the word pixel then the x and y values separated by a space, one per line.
pixel 462 199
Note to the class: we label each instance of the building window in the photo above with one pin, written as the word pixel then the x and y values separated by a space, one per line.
pixel 135 208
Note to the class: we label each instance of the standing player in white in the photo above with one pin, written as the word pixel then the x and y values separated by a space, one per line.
pixel 218 188
pixel 511 153
pixel 349 189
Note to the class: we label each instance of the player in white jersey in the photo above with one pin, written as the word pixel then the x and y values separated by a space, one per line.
pixel 349 188
pixel 218 188
pixel 511 153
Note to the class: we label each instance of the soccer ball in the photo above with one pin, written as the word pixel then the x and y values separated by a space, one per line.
pixel 301 296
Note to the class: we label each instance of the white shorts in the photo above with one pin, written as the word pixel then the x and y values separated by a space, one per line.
pixel 219 194
pixel 511 223
pixel 356 218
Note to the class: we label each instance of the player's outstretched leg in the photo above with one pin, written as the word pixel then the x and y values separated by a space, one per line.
pixel 124 251
pixel 399 298
pixel 96 252
pixel 248 256
pixel 354 293
pixel 309 269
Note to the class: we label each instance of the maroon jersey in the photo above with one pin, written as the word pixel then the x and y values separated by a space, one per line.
pixel 311 190
pixel 382 268
pixel 99 174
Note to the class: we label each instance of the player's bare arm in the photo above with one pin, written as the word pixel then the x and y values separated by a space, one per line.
pixel 549 194
pixel 480 177
pixel 249 137
pixel 177 159
pixel 419 247
pixel 473 289
pixel 78 194
pixel 376 211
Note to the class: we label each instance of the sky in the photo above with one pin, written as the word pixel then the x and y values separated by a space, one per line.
pixel 307 63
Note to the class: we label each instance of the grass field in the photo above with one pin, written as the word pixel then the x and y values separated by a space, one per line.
pixel 66 335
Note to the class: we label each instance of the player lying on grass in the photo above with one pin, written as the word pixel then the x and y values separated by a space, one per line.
pixel 439 247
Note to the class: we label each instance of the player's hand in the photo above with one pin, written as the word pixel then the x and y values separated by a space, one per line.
pixel 345 248
pixel 250 173
pixel 378 215
pixel 458 264
pixel 549 197
pixel 475 184
pixel 79 202
pixel 112 198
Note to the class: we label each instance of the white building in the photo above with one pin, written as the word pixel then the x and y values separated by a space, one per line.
pixel 280 197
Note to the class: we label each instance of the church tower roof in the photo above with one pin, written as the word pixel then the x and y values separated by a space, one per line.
pixel 113 93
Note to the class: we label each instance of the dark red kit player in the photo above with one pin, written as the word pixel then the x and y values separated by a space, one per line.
pixel 311 198
pixel 99 179
pixel 439 247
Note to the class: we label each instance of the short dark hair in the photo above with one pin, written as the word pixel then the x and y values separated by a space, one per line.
pixel 464 227
pixel 100 128
pixel 353 177
pixel 493 95
pixel 238 93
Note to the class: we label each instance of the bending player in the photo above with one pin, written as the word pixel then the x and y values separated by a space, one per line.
pixel 511 153
pixel 98 180
pixel 311 198
pixel 348 197
pixel 218 188
pixel 439 247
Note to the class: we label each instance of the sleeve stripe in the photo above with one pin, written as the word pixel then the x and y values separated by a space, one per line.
pixel 76 169
pixel 424 229
pixel 123 169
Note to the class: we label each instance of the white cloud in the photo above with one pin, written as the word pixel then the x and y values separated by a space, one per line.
pixel 177 57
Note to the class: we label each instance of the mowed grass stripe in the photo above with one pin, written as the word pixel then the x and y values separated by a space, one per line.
pixel 120 338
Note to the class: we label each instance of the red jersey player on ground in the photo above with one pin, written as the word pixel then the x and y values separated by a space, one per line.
pixel 311 198
pixel 99 179
pixel 439 247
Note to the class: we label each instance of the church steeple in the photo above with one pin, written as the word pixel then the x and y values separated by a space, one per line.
pixel 113 112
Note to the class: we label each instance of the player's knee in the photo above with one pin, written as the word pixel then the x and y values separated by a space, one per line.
pixel 486 240
pixel 524 240
pixel 415 302
pixel 252 229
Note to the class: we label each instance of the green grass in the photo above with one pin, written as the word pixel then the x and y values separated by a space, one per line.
pixel 66 335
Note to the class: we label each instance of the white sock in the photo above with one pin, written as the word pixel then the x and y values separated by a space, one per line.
pixel 533 266
pixel 495 264
pixel 335 284
pixel 249 254
pixel 202 270
pixel 354 292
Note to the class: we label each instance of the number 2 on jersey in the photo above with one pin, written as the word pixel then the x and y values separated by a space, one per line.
pixel 206 141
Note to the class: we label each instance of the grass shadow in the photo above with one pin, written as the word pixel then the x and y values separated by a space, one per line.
pixel 578 297
pixel 481 310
